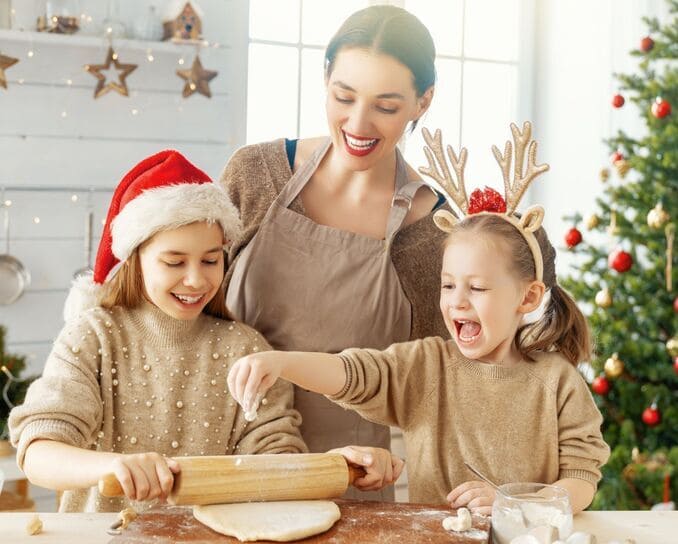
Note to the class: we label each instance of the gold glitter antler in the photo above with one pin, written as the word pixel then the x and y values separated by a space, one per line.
pixel 514 190
pixel 441 173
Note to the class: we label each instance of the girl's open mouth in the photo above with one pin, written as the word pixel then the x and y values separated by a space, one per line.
pixel 467 331
pixel 188 300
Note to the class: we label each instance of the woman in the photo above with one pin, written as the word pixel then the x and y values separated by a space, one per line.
pixel 339 248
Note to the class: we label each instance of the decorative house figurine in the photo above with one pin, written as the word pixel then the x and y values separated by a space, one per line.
pixel 182 21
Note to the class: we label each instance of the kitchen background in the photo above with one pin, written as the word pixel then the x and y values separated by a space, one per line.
pixel 62 150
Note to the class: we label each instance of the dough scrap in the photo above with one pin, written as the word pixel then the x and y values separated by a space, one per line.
pixel 126 516
pixel 280 521
pixel 461 522
pixel 34 526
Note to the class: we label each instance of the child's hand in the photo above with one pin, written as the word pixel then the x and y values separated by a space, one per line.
pixel 251 376
pixel 475 495
pixel 381 466
pixel 145 476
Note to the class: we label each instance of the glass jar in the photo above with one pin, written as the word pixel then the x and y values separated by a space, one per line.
pixel 523 507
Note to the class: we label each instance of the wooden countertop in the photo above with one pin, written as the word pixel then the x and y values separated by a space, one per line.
pixel 644 527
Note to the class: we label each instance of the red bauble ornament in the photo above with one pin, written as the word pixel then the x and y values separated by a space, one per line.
pixel 617 101
pixel 487 200
pixel 620 260
pixel 616 156
pixel 572 237
pixel 661 108
pixel 675 305
pixel 651 415
pixel 600 385
pixel 675 364
pixel 646 44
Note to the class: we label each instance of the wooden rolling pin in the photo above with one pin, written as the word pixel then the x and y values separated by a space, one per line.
pixel 244 478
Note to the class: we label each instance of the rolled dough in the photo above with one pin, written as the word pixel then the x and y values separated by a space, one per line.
pixel 280 521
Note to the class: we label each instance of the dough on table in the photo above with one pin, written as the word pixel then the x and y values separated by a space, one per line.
pixel 279 521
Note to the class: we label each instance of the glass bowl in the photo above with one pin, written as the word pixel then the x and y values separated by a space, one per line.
pixel 520 508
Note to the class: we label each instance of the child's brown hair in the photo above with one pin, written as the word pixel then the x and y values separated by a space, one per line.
pixel 562 327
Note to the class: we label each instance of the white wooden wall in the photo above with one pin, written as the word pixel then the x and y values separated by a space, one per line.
pixel 55 137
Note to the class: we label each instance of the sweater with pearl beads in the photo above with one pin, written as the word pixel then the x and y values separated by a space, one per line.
pixel 137 380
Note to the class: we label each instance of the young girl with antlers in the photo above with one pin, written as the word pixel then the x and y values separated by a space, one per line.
pixel 503 395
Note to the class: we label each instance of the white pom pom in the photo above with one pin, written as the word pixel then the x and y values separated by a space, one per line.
pixel 84 294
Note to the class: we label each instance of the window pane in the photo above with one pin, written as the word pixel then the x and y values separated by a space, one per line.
pixel 321 19
pixel 491 30
pixel 272 92
pixel 443 113
pixel 444 21
pixel 276 20
pixel 489 107
pixel 313 119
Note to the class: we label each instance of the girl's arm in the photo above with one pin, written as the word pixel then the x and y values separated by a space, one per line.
pixel 251 376
pixel 581 492
pixel 59 466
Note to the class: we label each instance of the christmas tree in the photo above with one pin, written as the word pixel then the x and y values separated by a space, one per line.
pixel 626 283
pixel 12 387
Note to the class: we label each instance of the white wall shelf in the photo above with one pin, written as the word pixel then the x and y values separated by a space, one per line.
pixel 46 38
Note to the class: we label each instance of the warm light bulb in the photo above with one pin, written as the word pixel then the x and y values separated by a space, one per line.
pixel 8 203
pixel 36 220
pixel 74 198
pixel 30 54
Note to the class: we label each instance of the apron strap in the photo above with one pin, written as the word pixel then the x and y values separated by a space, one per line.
pixel 300 178
pixel 402 198
pixel 400 206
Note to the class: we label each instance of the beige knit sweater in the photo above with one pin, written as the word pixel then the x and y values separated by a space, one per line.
pixel 255 175
pixel 532 422
pixel 138 380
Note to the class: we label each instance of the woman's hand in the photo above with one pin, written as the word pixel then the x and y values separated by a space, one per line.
pixel 251 376
pixel 381 467
pixel 145 476
pixel 475 495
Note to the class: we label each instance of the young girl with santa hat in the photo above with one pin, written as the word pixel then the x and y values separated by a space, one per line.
pixel 137 377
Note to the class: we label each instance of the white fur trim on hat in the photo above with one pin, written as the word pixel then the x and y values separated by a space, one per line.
pixel 84 294
pixel 170 207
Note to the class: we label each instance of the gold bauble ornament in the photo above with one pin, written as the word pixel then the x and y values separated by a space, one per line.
pixel 614 366
pixel 604 174
pixel 622 167
pixel 592 221
pixel 657 216
pixel 672 346
pixel 603 298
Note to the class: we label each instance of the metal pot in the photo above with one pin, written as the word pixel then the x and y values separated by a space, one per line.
pixel 14 278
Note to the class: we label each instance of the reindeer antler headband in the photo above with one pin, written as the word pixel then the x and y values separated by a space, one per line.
pixel 489 201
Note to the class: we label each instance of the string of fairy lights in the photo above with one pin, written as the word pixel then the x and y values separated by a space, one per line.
pixel 112 73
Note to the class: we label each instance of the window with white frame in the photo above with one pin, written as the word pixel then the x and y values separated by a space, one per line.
pixel 482 85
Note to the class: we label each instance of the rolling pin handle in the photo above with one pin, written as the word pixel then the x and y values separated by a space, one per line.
pixel 354 473
pixel 109 486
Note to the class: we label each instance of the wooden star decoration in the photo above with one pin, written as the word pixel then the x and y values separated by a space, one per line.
pixel 197 79
pixel 119 86
pixel 5 62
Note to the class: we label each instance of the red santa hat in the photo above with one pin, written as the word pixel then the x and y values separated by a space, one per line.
pixel 163 192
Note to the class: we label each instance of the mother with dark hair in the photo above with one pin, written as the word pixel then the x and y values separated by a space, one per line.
pixel 339 247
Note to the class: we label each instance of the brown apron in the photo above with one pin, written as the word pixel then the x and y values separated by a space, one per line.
pixel 310 287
